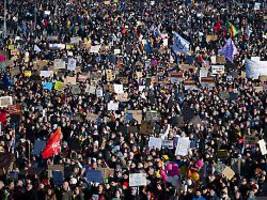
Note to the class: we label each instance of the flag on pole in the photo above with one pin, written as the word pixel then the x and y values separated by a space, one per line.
pixel 53 144
pixel 180 44
pixel 229 50
pixel 231 29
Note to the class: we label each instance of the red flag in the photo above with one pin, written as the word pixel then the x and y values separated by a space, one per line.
pixel 3 117
pixel 53 144
pixel 217 26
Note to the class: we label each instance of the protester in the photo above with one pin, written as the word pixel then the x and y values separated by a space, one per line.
pixel 133 100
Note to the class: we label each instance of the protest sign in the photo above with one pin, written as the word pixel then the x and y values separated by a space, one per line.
pixel 59 64
pixel 39 64
pixel 58 178
pixel 14 109
pixel 75 89
pixel 113 106
pixel 137 179
pixel 27 73
pixel 122 97
pixel 75 40
pixel 46 74
pixel 95 49
pixel 134 114
pixel 118 88
pixel 91 117
pixel 90 89
pixel 106 172
pixel 213 60
pixel 57 46
pixel 6 101
pixel 99 92
pixel 59 85
pixel 117 51
pixel 220 60
pixel 71 64
pixel 254 69
pixel 109 75
pixel 211 38
pixel 228 173
pixel 47 86
pixel 222 153
pixel 262 146
pixel 70 80
pixel 152 115
pixel 190 85
pixel 167 144
pixel 154 143
pixel 38 147
pixel 217 70
pixel 141 88
pixel 182 147
pixel 207 82
pixel 94 176
pixel 203 72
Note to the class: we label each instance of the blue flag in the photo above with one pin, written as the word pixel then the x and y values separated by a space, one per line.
pixel 229 50
pixel 180 44
pixel 47 86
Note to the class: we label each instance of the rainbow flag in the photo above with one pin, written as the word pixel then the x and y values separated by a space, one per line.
pixel 231 29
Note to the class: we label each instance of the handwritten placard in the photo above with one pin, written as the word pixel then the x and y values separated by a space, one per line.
pixel 183 145
pixel 154 143
pixel 6 101
pixel 137 179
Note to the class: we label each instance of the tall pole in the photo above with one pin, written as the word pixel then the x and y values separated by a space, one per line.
pixel 5 13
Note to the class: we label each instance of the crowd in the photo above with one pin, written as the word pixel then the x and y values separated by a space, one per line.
pixel 105 75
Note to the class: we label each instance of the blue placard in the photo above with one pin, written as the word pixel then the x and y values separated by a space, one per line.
pixel 58 178
pixel 94 176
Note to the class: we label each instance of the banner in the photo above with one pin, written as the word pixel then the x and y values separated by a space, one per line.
pixel 137 179
pixel 254 69
pixel 183 145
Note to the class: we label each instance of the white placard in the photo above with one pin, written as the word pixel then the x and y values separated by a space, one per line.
pixel 75 40
pixel 57 46
pixel 254 69
pixel 217 69
pixel 46 73
pixel 6 101
pixel 213 59
pixel 256 58
pixel 99 92
pixel 262 145
pixel 90 89
pixel 118 88
pixel 203 72
pixel 95 49
pixel 59 64
pixel 257 6
pixel 183 145
pixel 113 105
pixel 137 179
pixel 165 42
pixel 72 64
pixel 117 51
pixel 154 143
pixel 47 12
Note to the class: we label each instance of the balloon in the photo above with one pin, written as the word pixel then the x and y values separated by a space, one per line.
pixel 195 176
pixel 169 166
pixel 175 170
pixel 199 164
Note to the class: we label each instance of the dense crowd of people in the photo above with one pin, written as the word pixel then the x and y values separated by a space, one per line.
pixel 127 87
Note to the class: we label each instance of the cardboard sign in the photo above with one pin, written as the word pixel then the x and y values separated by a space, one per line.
pixel 167 144
pixel 70 80
pixel 39 64
pixel 146 128
pixel 71 64
pixel 137 179
pixel 217 70
pixel 262 146
pixel 118 88
pixel 94 176
pixel 5 101
pixel 152 115
pixel 113 106
pixel 155 143
pixel 228 173
pixel 183 145
pixel 122 97
pixel 134 114
pixel 59 64
pixel 220 60
pixel 210 38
